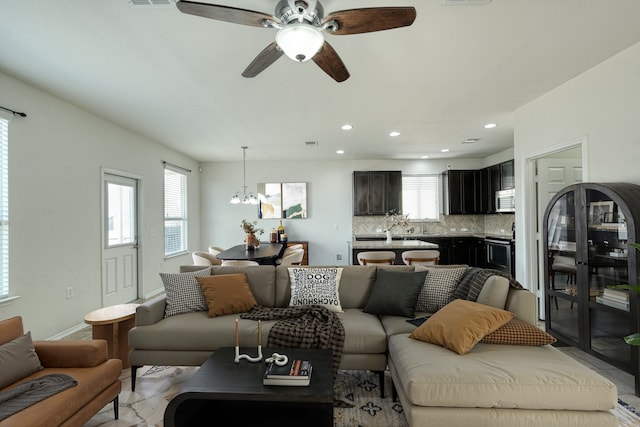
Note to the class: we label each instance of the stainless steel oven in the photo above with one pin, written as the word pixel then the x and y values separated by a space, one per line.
pixel 499 255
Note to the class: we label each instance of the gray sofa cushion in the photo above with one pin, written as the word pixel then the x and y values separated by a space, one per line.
pixel 395 292
pixel 261 281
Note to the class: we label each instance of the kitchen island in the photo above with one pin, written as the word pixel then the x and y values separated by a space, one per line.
pixel 397 246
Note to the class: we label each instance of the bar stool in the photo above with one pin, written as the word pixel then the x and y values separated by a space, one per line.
pixel 376 257
pixel 422 257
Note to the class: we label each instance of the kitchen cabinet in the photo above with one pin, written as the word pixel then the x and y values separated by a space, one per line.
pixel 376 192
pixel 468 250
pixel 507 175
pixel 461 191
pixel 588 228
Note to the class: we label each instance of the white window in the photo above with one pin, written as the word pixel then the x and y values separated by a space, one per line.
pixel 421 197
pixel 175 211
pixel 4 208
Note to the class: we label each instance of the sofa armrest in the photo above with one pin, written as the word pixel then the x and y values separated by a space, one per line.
pixel 151 311
pixel 523 303
pixel 72 353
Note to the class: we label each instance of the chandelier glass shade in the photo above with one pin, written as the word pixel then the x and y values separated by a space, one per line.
pixel 242 196
pixel 300 42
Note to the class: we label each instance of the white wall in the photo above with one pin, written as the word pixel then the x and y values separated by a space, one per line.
pixel 329 194
pixel 56 154
pixel 601 106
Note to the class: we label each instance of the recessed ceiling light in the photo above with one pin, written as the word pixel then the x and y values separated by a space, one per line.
pixel 424 157
pixel 490 125
pixel 340 152
pixel 444 150
pixel 346 127
pixel 394 133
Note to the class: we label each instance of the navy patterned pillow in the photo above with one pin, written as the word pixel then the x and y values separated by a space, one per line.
pixel 184 294
pixel 439 286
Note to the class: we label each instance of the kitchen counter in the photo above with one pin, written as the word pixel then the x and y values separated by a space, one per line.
pixel 395 244
pixel 414 236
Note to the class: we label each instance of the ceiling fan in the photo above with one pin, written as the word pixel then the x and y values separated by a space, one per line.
pixel 301 25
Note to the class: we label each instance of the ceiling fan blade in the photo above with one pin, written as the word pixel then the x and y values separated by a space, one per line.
pixel 367 20
pixel 268 56
pixel 226 13
pixel 330 62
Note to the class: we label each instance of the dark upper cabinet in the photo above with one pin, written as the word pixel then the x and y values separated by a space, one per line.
pixel 494 178
pixel 507 180
pixel 462 192
pixel 376 192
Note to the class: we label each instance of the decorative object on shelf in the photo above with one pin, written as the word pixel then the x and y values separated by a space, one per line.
pixel 633 339
pixel 239 356
pixel 250 233
pixel 244 197
pixel 395 219
pixel 598 211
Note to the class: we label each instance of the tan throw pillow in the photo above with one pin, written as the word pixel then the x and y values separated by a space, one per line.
pixel 461 324
pixel 518 332
pixel 227 293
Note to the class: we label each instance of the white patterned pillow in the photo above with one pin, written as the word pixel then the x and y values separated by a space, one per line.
pixel 184 294
pixel 315 286
pixel 439 286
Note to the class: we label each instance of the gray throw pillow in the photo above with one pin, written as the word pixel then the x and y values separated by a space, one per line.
pixel 184 294
pixel 395 293
pixel 18 359
pixel 439 286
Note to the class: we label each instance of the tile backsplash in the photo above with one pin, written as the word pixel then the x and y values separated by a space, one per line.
pixel 499 224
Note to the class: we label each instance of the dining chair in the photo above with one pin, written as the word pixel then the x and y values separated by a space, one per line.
pixel 215 250
pixel 204 258
pixel 421 256
pixel 292 248
pixel 376 257
pixel 238 263
pixel 294 257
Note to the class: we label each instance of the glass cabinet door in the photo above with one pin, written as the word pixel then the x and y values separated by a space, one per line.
pixel 607 265
pixel 562 290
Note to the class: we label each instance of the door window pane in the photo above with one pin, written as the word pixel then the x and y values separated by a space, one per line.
pixel 120 214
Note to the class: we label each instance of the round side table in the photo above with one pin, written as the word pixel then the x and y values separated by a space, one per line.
pixel 113 324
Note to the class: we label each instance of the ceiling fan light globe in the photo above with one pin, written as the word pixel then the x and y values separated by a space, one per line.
pixel 300 42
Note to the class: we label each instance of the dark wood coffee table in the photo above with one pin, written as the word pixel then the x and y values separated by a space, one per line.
pixel 224 390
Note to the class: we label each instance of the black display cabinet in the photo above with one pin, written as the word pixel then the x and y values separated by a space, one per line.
pixel 587 231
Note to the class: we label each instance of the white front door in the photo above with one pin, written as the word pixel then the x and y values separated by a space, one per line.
pixel 120 237
pixel 554 174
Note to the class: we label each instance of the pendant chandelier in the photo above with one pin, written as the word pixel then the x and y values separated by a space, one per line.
pixel 242 196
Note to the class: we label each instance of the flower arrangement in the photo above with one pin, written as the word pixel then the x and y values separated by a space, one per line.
pixel 395 219
pixel 250 227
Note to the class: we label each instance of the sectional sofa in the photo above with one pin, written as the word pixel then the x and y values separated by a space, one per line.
pixel 488 383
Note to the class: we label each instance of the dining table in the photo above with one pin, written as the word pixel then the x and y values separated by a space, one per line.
pixel 265 254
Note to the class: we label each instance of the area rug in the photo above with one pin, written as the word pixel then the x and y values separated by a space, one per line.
pixel 157 385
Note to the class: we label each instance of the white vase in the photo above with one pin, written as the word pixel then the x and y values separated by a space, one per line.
pixel 389 238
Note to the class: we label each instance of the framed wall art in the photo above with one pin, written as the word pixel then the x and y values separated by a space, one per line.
pixel 282 200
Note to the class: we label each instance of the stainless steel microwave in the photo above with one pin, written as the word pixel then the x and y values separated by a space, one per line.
pixel 506 200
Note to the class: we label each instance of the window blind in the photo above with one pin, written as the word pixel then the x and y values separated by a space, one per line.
pixel 175 211
pixel 421 197
pixel 4 208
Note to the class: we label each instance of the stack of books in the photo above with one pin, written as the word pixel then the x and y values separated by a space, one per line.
pixel 614 298
pixel 295 373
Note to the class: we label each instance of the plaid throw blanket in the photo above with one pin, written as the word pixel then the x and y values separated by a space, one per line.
pixel 31 392
pixel 471 284
pixel 306 326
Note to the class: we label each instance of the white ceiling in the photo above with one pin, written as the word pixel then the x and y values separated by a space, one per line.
pixel 176 77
